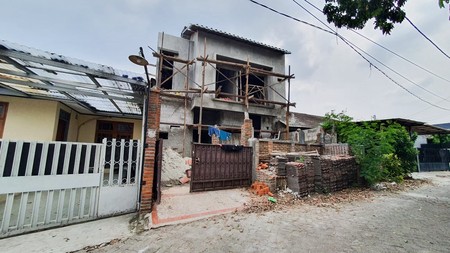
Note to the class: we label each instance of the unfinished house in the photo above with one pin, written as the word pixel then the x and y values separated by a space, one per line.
pixel 213 78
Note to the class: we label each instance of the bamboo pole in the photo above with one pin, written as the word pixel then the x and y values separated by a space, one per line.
pixel 252 69
pixel 199 130
pixel 247 72
pixel 186 87
pixel 287 109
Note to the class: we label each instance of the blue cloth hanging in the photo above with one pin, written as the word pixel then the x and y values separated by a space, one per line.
pixel 222 135
pixel 213 131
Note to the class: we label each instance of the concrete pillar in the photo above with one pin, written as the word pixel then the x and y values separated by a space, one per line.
pixel 246 131
pixel 153 120
pixel 254 143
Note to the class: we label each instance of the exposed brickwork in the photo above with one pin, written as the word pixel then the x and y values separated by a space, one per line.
pixel 154 115
pixel 215 140
pixel 267 147
pixel 267 177
pixel 246 131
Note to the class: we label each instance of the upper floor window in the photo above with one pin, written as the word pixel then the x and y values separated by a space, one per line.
pixel 167 68
pixel 231 82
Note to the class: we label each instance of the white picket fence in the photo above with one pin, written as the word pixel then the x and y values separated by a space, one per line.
pixel 45 184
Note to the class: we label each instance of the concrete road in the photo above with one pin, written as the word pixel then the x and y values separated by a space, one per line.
pixel 412 221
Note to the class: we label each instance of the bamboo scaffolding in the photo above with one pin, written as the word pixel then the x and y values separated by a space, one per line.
pixel 246 98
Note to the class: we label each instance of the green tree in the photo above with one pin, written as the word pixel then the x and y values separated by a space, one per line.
pixel 440 138
pixel 384 151
pixel 337 123
pixel 356 13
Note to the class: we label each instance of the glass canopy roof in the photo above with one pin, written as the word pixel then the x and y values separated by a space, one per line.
pixel 86 87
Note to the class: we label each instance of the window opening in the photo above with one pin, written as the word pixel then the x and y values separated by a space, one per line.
pixel 167 71
pixel 113 130
pixel 63 126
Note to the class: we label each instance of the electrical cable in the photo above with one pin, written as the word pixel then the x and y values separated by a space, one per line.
pixel 415 27
pixel 387 49
pixel 346 42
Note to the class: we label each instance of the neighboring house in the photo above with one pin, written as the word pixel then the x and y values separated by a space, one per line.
pixel 55 113
pixel 49 97
pixel 443 125
pixel 431 157
pixel 222 77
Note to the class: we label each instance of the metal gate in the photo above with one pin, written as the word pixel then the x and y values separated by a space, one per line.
pixel 217 167
pixel 46 184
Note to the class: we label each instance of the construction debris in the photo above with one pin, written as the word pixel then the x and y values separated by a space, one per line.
pixel 174 166
pixel 260 188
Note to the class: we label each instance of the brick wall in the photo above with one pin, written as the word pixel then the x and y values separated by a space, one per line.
pixel 246 131
pixel 154 114
pixel 267 147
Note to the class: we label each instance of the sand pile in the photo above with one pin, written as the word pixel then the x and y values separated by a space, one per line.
pixel 173 166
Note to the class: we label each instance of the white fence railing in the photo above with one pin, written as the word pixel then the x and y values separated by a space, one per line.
pixel 44 184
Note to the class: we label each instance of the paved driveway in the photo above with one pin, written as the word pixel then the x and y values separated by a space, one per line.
pixel 413 221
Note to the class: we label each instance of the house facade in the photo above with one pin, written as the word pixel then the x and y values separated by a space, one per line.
pixel 213 78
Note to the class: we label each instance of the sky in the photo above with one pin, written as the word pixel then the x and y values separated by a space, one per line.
pixel 329 75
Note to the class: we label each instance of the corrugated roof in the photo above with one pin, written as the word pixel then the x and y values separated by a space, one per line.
pixel 188 31
pixel 421 128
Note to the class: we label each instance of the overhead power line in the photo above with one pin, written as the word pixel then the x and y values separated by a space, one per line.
pixel 353 46
pixel 346 42
pixel 387 49
pixel 415 27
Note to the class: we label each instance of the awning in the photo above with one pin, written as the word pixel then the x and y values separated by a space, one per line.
pixel 85 87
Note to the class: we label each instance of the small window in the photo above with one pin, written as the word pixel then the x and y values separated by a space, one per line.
pixel 113 130
pixel 164 135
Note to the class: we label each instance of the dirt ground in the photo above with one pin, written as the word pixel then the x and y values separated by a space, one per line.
pixel 411 218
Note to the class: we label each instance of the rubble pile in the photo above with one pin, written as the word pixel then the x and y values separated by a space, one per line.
pixel 260 189
pixel 174 166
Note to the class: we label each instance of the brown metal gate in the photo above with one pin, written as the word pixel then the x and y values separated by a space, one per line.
pixel 217 167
